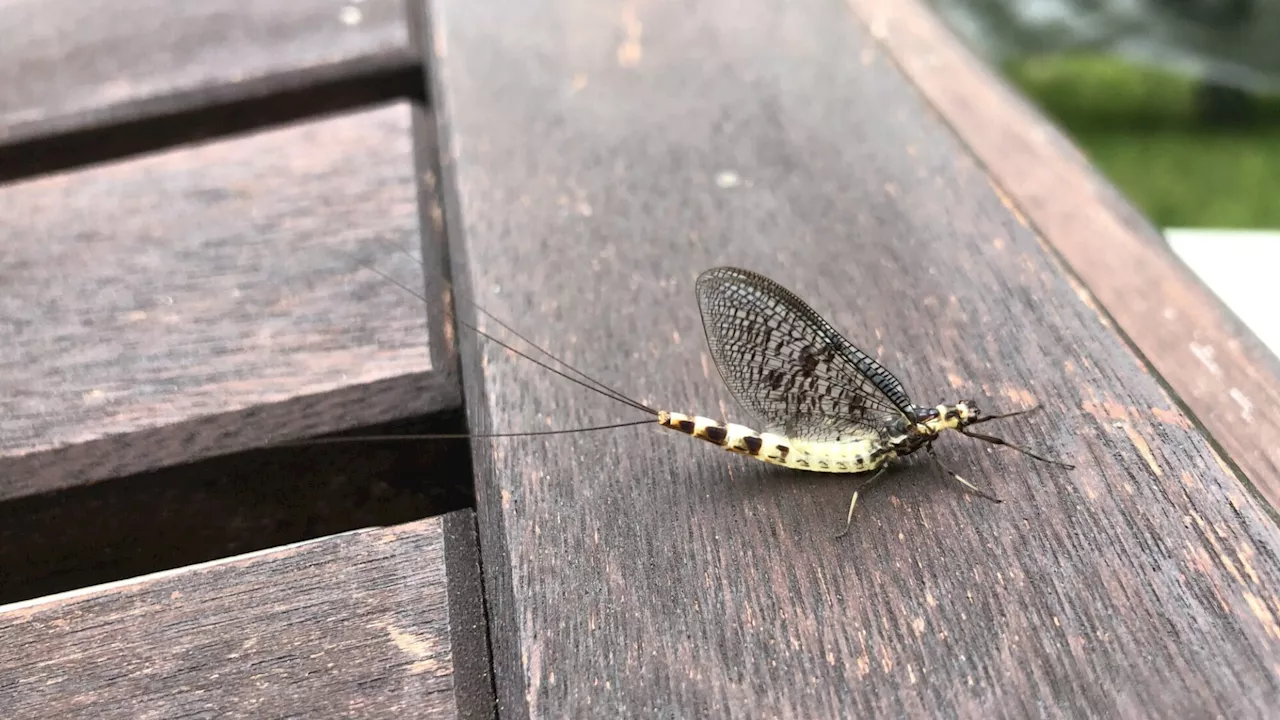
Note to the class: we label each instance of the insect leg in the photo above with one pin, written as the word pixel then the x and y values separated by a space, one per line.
pixel 1002 416
pixel 849 520
pixel 959 479
pixel 1024 451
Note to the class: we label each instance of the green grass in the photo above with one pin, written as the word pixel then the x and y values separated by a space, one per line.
pixel 1142 130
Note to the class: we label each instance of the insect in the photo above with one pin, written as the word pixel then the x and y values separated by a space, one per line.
pixel 823 404
pixel 826 405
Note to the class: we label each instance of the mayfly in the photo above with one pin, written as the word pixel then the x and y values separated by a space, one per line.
pixel 823 404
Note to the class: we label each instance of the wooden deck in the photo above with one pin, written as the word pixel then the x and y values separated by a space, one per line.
pixel 198 207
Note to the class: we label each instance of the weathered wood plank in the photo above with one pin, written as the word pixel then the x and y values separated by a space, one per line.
pixel 224 506
pixel 67 65
pixel 351 624
pixel 208 299
pixel 468 625
pixel 597 157
pixel 1227 378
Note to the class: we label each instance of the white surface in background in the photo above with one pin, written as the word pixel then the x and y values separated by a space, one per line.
pixel 1240 267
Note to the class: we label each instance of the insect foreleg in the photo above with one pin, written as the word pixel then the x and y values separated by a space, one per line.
pixel 1002 416
pixel 1024 451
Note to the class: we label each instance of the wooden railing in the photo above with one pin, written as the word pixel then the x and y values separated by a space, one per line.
pixel 205 215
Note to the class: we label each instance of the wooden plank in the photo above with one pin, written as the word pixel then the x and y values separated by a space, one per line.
pixel 228 505
pixel 351 624
pixel 468 625
pixel 212 299
pixel 68 65
pixel 1229 380
pixel 596 158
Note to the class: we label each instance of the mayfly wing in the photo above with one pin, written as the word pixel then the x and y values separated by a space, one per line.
pixel 789 367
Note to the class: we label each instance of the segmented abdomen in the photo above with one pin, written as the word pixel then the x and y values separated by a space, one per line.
pixel 850 456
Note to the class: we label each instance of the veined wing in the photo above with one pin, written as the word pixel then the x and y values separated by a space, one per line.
pixel 789 367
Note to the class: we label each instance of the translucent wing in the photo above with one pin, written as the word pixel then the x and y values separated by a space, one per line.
pixel 789 367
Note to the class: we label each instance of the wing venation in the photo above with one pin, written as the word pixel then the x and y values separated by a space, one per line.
pixel 789 367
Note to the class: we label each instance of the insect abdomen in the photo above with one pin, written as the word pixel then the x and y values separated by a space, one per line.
pixel 843 457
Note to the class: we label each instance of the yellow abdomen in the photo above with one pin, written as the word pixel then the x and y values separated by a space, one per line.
pixel 847 456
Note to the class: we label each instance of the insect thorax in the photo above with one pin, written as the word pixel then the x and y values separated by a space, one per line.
pixel 947 417
pixel 929 423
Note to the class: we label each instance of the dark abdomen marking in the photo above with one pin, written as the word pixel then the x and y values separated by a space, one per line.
pixel 716 434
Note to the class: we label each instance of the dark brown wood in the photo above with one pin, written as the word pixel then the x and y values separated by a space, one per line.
pixel 211 299
pixel 468 626
pixel 596 158
pixel 1229 381
pixel 67 65
pixel 349 625
pixel 228 505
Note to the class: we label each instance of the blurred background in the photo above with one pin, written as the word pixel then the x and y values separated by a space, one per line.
pixel 1177 102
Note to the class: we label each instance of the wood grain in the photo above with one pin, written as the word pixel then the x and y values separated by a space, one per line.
pixel 211 299
pixel 67 65
pixel 349 625
pixel 597 156
pixel 1226 377
pixel 229 505
pixel 468 625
